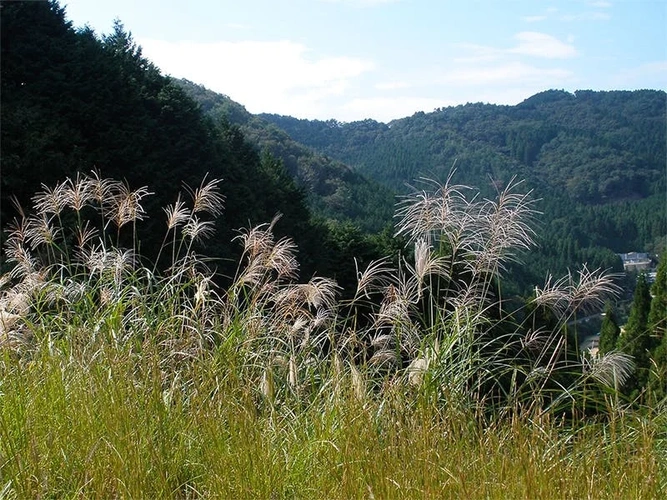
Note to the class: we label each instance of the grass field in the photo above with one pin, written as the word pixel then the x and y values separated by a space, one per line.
pixel 118 380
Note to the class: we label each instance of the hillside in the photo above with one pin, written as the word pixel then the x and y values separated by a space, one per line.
pixel 74 101
pixel 594 159
pixel 334 190
pixel 595 146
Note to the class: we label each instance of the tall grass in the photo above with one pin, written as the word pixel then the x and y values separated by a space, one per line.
pixel 121 379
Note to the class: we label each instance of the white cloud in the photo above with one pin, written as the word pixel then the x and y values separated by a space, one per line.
pixel 392 85
pixel 586 16
pixel 530 43
pixel 505 74
pixel 499 83
pixel 536 44
pixel 281 76
pixel 589 15
pixel 534 19
pixel 651 75
pixel 478 53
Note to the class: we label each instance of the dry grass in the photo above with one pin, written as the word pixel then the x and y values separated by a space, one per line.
pixel 119 379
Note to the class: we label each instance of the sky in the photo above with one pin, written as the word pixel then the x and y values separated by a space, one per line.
pixel 386 59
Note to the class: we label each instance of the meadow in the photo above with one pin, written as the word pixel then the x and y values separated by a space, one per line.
pixel 134 378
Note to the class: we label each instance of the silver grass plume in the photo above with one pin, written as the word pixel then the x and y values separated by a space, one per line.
pixel 40 231
pixel 377 276
pixel 177 213
pixel 569 294
pixel 78 193
pixel 504 227
pixel 198 230
pixel 207 197
pixel 612 369
pixel 425 215
pixel 126 205
pixel 50 200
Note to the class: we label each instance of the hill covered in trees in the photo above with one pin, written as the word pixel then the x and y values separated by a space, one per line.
pixel 593 160
pixel 334 190
pixel 74 101
pixel 596 161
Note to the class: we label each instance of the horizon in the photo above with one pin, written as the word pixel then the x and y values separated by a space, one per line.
pixel 352 60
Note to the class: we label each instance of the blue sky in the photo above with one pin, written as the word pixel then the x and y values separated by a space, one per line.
pixel 386 59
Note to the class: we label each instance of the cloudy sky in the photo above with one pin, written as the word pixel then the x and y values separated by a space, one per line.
pixel 386 59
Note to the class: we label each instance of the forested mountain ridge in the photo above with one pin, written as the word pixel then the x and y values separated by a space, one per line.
pixel 597 146
pixel 334 190
pixel 74 101
pixel 596 161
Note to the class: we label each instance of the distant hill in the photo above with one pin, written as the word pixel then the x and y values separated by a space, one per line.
pixel 596 160
pixel 596 147
pixel 334 190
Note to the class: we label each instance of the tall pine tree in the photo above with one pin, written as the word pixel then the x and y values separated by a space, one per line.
pixel 636 339
pixel 609 331
pixel 657 318
pixel 657 323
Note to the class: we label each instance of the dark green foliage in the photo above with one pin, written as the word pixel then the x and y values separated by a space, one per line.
pixel 657 318
pixel 72 101
pixel 346 243
pixel 636 338
pixel 333 189
pixel 595 160
pixel 609 331
pixel 657 324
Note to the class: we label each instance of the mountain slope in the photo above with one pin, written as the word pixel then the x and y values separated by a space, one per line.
pixel 73 101
pixel 613 143
pixel 334 190
pixel 594 159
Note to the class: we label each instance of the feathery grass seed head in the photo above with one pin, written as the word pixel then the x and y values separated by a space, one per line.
pixel 207 197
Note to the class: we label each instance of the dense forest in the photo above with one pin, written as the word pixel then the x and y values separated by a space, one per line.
pixel 334 190
pixel 595 160
pixel 75 101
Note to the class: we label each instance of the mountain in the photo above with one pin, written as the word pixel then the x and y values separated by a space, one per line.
pixel 72 102
pixel 595 146
pixel 334 190
pixel 595 160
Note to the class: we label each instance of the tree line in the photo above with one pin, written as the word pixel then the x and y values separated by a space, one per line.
pixel 76 101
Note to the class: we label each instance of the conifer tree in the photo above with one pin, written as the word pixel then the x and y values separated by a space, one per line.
pixel 657 318
pixel 609 331
pixel 657 323
pixel 636 339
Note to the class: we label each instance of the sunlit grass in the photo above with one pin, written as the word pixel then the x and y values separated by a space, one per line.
pixel 111 426
pixel 121 380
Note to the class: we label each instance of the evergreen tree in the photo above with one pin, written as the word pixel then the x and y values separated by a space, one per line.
pixel 609 331
pixel 72 101
pixel 657 323
pixel 636 339
pixel 657 318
